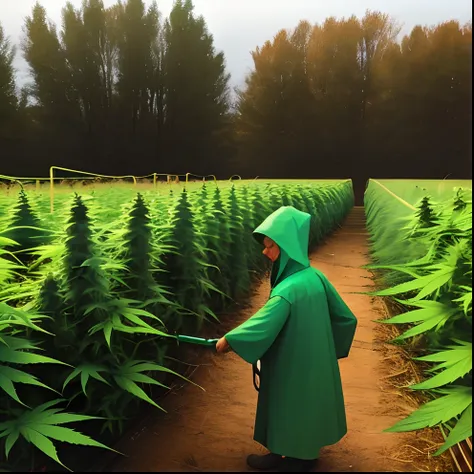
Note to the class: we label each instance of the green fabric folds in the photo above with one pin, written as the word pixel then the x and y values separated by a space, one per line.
pixel 253 339
pixel 298 336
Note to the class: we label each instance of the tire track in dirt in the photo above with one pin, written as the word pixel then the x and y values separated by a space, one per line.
pixel 212 430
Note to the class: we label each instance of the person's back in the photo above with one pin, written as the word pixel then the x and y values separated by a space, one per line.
pixel 298 337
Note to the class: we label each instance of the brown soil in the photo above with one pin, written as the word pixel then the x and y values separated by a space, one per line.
pixel 212 430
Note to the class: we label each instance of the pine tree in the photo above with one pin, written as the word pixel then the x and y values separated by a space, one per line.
pixel 8 98
pixel 196 90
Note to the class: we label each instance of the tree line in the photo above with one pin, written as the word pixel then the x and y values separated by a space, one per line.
pixel 124 90
pixel 346 98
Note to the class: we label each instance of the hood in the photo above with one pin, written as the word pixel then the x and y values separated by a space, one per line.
pixel 289 229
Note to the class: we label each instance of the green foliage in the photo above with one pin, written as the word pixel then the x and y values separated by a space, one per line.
pixel 19 356
pixel 456 362
pixel 54 92
pixel 85 282
pixel 195 86
pixel 8 98
pixel 212 231
pixel 428 266
pixel 25 230
pixel 425 213
pixel 121 273
pixel 139 255
pixel 41 425
pixel 238 249
pixel 186 267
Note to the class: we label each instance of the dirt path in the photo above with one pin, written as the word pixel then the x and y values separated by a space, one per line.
pixel 212 430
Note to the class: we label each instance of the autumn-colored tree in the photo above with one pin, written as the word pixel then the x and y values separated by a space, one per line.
pixel 276 110
pixel 422 109
pixel 337 83
pixel 346 99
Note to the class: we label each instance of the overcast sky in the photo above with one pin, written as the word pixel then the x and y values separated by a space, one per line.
pixel 239 26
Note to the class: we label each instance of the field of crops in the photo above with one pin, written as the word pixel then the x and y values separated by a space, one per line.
pixel 421 246
pixel 92 294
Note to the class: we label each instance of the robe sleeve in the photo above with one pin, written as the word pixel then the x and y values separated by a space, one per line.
pixel 255 336
pixel 343 321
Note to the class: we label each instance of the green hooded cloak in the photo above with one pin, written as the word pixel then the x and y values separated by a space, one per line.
pixel 297 336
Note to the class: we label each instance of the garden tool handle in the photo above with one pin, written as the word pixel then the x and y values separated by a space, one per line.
pixel 197 340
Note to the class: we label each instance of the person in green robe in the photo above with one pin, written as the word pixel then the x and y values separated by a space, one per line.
pixel 297 337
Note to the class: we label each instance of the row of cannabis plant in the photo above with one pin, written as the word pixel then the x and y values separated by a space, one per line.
pixel 424 260
pixel 90 300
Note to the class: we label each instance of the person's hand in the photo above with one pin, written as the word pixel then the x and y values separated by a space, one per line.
pixel 222 345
